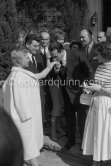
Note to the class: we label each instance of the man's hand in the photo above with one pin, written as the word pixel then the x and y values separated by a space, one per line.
pixel 53 63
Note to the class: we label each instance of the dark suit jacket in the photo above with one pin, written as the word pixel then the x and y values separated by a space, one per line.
pixel 77 71
pixel 31 67
pixel 40 61
pixel 41 64
pixel 92 57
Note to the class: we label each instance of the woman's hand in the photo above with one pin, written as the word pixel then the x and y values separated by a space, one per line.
pixel 54 63
pixel 92 87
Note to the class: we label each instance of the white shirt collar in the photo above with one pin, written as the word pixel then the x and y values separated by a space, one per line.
pixel 64 60
pixel 90 45
pixel 42 49
pixel 88 48
pixel 30 56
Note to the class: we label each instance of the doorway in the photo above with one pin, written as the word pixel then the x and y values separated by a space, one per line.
pixel 106 14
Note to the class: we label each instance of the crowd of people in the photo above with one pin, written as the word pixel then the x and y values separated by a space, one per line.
pixel 46 65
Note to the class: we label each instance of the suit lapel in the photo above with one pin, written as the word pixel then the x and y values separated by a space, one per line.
pixel 31 67
pixel 41 62
pixel 72 62
pixel 92 52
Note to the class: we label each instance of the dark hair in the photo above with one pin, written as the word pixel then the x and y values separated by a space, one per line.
pixel 11 149
pixel 89 32
pixel 74 42
pixel 30 37
pixel 105 49
pixel 55 45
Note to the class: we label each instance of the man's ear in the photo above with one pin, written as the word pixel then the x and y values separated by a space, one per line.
pixel 27 45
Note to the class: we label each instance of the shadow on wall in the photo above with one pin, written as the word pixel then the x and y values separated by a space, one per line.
pixel 1 98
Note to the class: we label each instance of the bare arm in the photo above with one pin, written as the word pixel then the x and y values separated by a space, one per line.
pixel 44 73
pixel 48 61
pixel 98 88
pixel 106 92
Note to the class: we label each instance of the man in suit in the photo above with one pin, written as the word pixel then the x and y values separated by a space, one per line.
pixel 74 70
pixel 36 64
pixel 89 45
pixel 78 70
pixel 44 44
pixel 32 44
pixel 45 56
pixel 81 66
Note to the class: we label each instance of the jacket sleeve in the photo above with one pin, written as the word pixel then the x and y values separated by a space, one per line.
pixel 21 98
pixel 86 72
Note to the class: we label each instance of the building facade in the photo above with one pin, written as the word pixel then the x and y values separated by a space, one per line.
pixel 99 15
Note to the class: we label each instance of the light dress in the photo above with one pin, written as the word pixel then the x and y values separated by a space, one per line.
pixel 21 95
pixel 97 133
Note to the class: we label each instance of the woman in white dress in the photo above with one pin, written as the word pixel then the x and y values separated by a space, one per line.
pixel 97 134
pixel 21 95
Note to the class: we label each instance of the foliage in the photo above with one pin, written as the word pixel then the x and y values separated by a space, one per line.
pixel 8 34
pixel 72 17
pixel 24 16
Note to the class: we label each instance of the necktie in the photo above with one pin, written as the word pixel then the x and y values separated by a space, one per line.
pixel 87 51
pixel 33 61
pixel 45 51
pixel 44 56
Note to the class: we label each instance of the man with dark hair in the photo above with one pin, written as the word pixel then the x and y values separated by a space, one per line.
pixel 37 63
pixel 73 71
pixel 56 51
pixel 32 44
pixel 30 37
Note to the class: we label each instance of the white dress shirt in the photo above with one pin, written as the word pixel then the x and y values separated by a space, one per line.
pixel 89 47
pixel 46 50
pixel 64 60
pixel 30 57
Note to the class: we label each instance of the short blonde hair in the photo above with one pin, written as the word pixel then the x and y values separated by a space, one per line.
pixel 17 55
